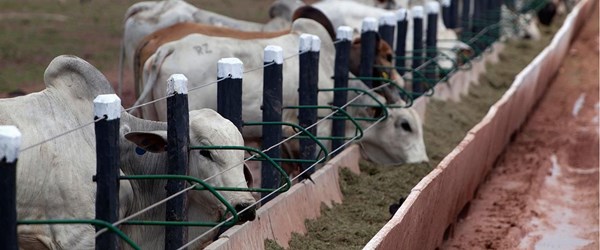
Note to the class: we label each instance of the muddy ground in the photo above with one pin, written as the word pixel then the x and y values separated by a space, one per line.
pixel 543 192
pixel 367 197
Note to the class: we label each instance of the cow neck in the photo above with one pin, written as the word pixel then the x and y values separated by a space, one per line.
pixel 146 192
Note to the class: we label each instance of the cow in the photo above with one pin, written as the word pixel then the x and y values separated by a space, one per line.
pixel 54 179
pixel 403 130
pixel 352 14
pixel 143 18
pixel 152 42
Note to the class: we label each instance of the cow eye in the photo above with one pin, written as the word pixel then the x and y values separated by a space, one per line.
pixel 206 154
pixel 406 126
pixel 390 58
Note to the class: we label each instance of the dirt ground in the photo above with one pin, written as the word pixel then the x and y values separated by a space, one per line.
pixel 543 192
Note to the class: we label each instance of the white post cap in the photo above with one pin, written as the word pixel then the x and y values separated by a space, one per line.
pixel 417 11
pixel 387 19
pixel 446 3
pixel 344 33
pixel 305 42
pixel 177 84
pixel 369 24
pixel 315 45
pixel 10 143
pixel 107 105
pixel 402 14
pixel 230 66
pixel 432 7
pixel 273 53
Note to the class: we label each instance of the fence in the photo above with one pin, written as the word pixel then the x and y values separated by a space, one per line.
pixel 425 73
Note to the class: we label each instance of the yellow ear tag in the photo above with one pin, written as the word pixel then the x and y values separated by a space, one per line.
pixel 385 75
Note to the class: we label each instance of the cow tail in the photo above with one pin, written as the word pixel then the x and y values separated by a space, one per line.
pixel 152 67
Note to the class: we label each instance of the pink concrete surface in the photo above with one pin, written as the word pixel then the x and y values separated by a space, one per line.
pixel 436 201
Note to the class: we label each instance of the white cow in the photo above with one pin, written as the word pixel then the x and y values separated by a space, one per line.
pixel 143 18
pixel 403 128
pixel 352 14
pixel 54 179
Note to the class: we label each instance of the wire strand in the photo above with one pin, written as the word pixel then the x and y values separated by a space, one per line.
pixel 61 134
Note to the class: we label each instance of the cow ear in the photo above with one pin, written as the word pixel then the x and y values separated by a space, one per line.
pixel 153 141
pixel 375 112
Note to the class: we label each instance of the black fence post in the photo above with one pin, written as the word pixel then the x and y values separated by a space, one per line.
pixel 342 63
pixel 368 45
pixel 417 53
pixel 107 166
pixel 453 15
pixel 446 9
pixel 310 46
pixel 402 23
pixel 271 111
pixel 433 8
pixel 178 153
pixel 465 21
pixel 495 6
pixel 478 23
pixel 477 16
pixel 229 90
pixel 10 142
pixel 387 27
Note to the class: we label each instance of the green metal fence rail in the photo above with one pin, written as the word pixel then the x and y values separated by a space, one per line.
pixel 99 223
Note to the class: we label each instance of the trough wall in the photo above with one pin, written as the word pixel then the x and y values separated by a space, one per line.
pixel 428 214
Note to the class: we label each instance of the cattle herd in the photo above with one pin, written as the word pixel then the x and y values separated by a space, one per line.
pixel 162 38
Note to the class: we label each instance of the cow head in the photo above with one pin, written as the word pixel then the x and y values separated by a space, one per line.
pixel 220 168
pixel 397 139
pixel 519 26
pixel 383 57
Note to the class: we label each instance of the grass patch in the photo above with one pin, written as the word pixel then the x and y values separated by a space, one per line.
pixel 36 31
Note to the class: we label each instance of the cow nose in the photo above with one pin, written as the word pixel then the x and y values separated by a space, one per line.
pixel 247 215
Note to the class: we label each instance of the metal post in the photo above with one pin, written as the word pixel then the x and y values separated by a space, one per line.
pixel 229 90
pixel 478 23
pixel 465 20
pixel 433 8
pixel 478 16
pixel 178 153
pixel 453 15
pixel 10 143
pixel 446 12
pixel 417 54
pixel 310 46
pixel 107 165
pixel 387 26
pixel 271 111
pixel 402 23
pixel 342 62
pixel 495 6
pixel 368 46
